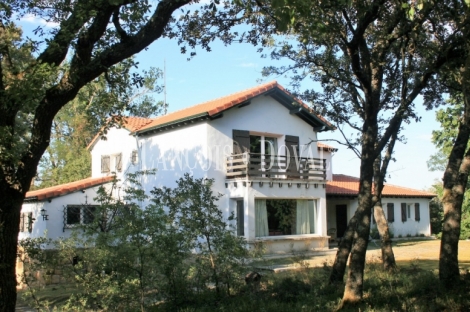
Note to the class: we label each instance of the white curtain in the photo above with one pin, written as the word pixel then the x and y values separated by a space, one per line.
pixel 305 216
pixel 312 207
pixel 261 218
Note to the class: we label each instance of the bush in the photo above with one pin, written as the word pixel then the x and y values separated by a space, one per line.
pixel 374 233
pixel 130 259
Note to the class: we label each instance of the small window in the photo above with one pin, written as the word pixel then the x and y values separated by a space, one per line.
pixel 134 157
pixel 403 212
pixel 88 213
pixel 26 222
pixel 111 163
pixel 73 215
pixel 105 164
pixel 79 214
pixel 118 162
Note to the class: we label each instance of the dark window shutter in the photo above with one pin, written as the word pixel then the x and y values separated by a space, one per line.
pixel 417 213
pixel 240 218
pixel 292 151
pixel 241 141
pixel 390 212
pixel 119 163
pixel 30 222
pixel 403 212
pixel 22 223
pixel 105 164
pixel 292 145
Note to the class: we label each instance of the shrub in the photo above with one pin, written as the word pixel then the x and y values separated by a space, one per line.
pixel 374 233
pixel 131 258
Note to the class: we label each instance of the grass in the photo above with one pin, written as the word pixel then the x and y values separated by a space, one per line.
pixel 413 287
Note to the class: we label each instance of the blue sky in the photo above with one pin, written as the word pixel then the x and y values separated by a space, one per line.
pixel 228 69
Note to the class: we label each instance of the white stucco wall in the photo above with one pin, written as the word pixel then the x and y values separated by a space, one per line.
pixel 263 116
pixel 118 141
pixel 53 227
pixel 410 226
pixel 351 205
pixel 328 156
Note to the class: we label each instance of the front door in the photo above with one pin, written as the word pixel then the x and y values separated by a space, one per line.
pixel 341 220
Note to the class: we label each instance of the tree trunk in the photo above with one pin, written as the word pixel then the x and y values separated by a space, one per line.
pixel 10 209
pixel 344 248
pixel 354 284
pixel 455 183
pixel 388 258
pixel 380 169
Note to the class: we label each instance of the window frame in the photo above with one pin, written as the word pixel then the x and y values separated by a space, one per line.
pixel 114 163
pixel 275 233
pixel 83 217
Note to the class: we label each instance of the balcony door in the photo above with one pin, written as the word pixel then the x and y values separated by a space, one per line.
pixel 263 150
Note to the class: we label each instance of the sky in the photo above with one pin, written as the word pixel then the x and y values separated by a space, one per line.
pixel 229 69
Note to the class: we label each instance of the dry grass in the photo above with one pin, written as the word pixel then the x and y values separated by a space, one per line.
pixel 407 252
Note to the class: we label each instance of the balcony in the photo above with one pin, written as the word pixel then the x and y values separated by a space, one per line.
pixel 251 165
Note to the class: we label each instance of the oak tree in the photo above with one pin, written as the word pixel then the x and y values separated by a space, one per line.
pixel 371 59
pixel 36 82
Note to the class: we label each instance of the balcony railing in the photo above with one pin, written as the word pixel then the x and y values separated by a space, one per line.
pixel 275 167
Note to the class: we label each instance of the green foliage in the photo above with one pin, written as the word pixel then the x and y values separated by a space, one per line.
pixel 131 258
pixel 76 124
pixel 374 233
pixel 194 212
pixel 436 211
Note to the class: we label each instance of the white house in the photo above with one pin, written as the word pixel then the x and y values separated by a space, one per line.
pixel 259 145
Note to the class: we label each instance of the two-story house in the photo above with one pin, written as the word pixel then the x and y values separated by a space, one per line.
pixel 259 145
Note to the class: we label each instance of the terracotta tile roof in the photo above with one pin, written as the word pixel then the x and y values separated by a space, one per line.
pixel 326 147
pixel 347 185
pixel 134 123
pixel 63 189
pixel 216 106
pixel 129 123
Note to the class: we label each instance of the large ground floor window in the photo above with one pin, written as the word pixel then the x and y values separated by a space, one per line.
pixel 285 217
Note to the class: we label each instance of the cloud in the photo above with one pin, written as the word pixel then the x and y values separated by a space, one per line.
pixel 248 65
pixel 32 19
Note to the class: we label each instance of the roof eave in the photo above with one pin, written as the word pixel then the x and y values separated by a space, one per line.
pixel 299 110
pixel 173 123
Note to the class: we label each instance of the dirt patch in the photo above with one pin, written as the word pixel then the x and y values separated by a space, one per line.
pixel 424 252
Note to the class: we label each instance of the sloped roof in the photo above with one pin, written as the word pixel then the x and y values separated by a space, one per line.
pixel 343 185
pixel 134 123
pixel 214 107
pixel 67 188
pixel 326 147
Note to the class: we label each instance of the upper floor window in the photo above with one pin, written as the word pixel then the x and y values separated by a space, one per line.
pixel 134 157
pixel 111 163
pixel 265 145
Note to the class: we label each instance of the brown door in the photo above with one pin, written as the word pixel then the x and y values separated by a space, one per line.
pixel 341 220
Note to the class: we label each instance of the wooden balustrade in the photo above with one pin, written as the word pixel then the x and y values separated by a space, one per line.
pixel 275 167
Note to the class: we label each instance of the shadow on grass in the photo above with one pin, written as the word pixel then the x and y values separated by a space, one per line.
pixel 414 286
